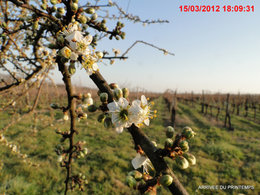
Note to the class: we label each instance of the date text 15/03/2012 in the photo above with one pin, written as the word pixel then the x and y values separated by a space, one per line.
pixel 217 8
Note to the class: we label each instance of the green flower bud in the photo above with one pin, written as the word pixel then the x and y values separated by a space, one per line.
pixel 168 143
pixel 169 131
pixel 113 85
pixel 44 6
pixel 85 151
pixel 188 133
pixel 83 19
pixel 166 180
pixel 92 108
pixel 136 174
pixel 118 93
pixel 182 163
pixel 99 54
pixel 130 181
pixel 154 143
pixel 54 2
pixel 108 122
pixel 75 1
pixel 104 21
pixel 54 106
pixel 74 7
pixel 61 10
pixel 85 181
pixel 191 158
pixel 101 118
pixel 90 10
pixel 125 92
pixel 35 25
pixel 72 68
pixel 94 16
pixel 184 145
pixel 103 97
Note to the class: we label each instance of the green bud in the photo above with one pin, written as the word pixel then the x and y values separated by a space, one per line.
pixel 103 97
pixel 182 163
pixel 92 108
pixel 136 174
pixel 54 2
pixel 108 122
pixel 104 21
pixel 85 151
pixel 74 7
pixel 113 85
pixel 166 180
pixel 44 6
pixel 125 92
pixel 54 8
pixel 169 131
pixel 54 106
pixel 90 10
pixel 130 181
pixel 94 16
pixel 35 25
pixel 118 93
pixel 188 133
pixel 75 1
pixel 82 154
pixel 191 158
pixel 168 143
pixel 61 10
pixel 101 118
pixel 99 54
pixel 83 19
pixel 154 143
pixel 72 68
pixel 184 145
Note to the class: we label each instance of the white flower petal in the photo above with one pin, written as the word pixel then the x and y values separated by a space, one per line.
pixel 113 107
pixel 139 161
pixel 75 36
pixel 74 56
pixel 119 129
pixel 88 39
pixel 147 122
pixel 95 66
pixel 143 100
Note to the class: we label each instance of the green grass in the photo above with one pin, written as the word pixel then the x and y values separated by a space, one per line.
pixel 223 157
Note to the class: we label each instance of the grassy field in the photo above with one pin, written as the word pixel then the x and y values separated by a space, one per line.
pixel 223 157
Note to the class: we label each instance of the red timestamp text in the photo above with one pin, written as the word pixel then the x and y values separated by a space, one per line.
pixel 217 8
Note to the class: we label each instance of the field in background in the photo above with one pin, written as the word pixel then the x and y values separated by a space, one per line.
pixel 224 157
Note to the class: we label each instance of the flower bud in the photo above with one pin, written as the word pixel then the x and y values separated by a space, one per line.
pixel 101 118
pixel 99 54
pixel 85 151
pixel 35 25
pixel 75 1
pixel 169 131
pixel 92 108
pixel 125 92
pixel 113 85
pixel 154 143
pixel 117 93
pixel 44 6
pixel 103 97
pixel 74 7
pixel 107 122
pixel 90 10
pixel 184 145
pixel 166 180
pixel 66 116
pixel 61 10
pixel 60 158
pixel 94 16
pixel 54 106
pixel 130 181
pixel 54 2
pixel 182 163
pixel 88 95
pixel 83 19
pixel 72 68
pixel 188 133
pixel 168 143
pixel 136 174
pixel 191 158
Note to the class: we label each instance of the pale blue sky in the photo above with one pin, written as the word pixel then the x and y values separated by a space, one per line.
pixel 219 52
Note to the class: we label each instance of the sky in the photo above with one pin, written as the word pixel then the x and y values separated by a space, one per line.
pixel 216 52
